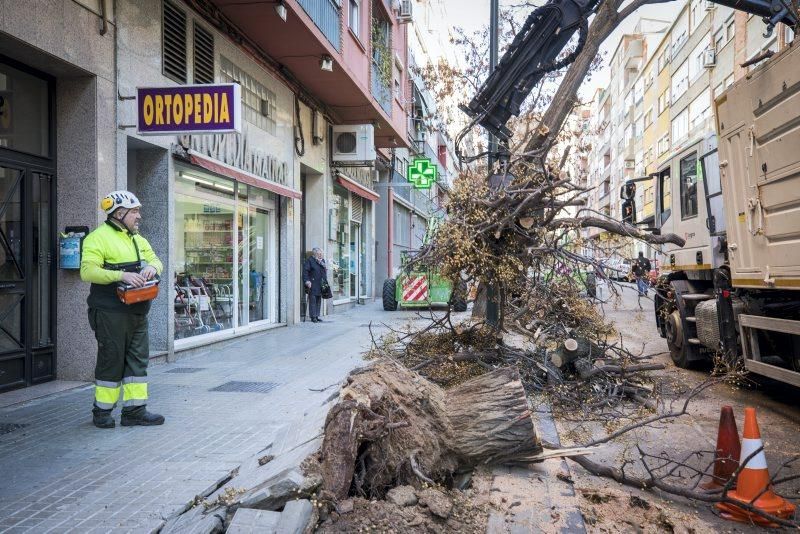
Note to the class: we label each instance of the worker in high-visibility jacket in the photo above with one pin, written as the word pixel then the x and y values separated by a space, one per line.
pixel 113 254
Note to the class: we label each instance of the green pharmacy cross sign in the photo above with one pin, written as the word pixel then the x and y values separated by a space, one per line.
pixel 422 173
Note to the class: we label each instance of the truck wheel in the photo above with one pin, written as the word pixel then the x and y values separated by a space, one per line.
pixel 389 294
pixel 676 340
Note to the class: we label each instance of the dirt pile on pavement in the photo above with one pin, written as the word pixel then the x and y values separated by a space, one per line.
pixel 408 509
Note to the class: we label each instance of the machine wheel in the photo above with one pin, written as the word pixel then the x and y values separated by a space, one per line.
pixel 389 294
pixel 676 339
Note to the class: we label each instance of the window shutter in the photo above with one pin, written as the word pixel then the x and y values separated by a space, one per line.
pixel 203 55
pixel 174 42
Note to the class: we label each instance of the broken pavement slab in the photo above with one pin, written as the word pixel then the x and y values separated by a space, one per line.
pixel 295 517
pixel 252 521
pixel 195 521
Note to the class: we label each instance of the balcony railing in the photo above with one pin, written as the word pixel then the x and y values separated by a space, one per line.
pixel 381 92
pixel 327 17
pixel 402 192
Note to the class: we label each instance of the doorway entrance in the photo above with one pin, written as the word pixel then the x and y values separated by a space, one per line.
pixel 27 354
pixel 27 226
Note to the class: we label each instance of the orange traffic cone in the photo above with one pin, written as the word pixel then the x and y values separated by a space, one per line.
pixel 726 457
pixel 753 486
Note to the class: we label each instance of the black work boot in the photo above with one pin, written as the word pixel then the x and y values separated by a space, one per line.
pixel 141 417
pixel 102 418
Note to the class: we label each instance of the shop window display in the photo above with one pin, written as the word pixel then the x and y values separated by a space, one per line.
pixel 339 219
pixel 225 240
pixel 204 296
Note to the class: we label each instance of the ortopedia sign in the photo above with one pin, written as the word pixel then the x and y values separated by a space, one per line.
pixel 189 109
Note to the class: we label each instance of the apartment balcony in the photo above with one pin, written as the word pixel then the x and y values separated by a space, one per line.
pixel 327 17
pixel 422 203
pixel 633 54
pixel 381 91
pixel 313 29
pixel 629 151
pixel 404 190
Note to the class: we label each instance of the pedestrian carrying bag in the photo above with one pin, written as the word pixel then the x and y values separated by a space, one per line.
pixel 131 295
pixel 326 290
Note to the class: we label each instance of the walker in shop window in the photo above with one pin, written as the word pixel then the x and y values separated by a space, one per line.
pixel 194 298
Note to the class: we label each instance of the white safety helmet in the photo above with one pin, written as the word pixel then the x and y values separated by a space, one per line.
pixel 119 199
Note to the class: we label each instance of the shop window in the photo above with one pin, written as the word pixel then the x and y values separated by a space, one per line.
pixel 339 221
pixel 24 112
pixel 203 55
pixel 226 254
pixel 204 246
pixel 688 187
pixel 173 23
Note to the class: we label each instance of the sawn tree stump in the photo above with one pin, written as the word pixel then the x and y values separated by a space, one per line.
pixel 392 427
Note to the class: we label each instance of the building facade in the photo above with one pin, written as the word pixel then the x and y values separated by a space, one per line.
pixel 232 215
pixel 664 78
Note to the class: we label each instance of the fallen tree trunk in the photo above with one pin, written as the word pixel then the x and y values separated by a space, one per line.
pixel 392 427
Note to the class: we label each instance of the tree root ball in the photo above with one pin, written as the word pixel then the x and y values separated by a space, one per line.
pixel 392 427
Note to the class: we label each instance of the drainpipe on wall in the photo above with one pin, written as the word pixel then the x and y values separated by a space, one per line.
pixel 390 215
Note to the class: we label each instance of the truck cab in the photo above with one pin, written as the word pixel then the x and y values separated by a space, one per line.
pixel 688 204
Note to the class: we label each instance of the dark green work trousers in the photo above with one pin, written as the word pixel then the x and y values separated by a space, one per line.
pixel 123 350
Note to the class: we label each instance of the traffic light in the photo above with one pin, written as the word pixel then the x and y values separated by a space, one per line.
pixel 628 190
pixel 629 211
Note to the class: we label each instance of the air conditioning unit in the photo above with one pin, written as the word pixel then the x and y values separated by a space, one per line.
pixel 405 9
pixel 709 58
pixel 354 143
pixel 708 5
pixel 630 164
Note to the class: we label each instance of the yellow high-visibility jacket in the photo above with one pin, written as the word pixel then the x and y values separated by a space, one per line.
pixel 106 253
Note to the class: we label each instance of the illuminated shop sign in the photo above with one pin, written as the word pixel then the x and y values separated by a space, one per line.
pixel 189 109
pixel 422 173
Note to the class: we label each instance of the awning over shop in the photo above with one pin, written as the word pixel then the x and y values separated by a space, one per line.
pixel 242 176
pixel 355 187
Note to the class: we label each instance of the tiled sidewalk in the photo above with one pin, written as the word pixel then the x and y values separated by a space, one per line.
pixel 58 473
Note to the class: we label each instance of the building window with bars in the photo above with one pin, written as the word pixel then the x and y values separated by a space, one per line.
pixel 259 104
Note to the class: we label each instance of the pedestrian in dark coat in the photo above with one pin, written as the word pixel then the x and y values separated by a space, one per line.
pixel 314 272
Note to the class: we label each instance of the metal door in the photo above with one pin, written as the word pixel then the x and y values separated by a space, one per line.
pixel 26 277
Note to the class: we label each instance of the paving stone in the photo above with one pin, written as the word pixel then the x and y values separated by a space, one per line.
pixel 252 521
pixel 295 517
pixel 195 521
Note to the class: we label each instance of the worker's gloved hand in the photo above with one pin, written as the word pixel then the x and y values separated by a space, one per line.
pixel 133 279
pixel 149 272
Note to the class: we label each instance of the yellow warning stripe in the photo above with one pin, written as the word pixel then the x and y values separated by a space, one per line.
pixel 695 267
pixel 757 282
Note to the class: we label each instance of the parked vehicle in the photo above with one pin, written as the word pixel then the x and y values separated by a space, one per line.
pixel 616 268
pixel 735 284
